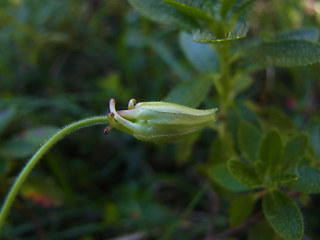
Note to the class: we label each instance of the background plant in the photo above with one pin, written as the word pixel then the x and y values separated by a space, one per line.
pixel 263 156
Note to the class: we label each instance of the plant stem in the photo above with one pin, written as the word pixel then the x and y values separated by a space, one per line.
pixel 223 50
pixel 37 156
pixel 224 56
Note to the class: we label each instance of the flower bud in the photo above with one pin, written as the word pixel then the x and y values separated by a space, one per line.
pixel 159 121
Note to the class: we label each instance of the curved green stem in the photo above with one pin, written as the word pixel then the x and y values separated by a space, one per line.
pixel 36 157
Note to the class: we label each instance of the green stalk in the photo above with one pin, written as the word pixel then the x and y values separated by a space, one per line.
pixel 224 61
pixel 37 156
pixel 223 50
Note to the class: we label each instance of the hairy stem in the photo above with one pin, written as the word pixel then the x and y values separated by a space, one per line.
pixel 36 157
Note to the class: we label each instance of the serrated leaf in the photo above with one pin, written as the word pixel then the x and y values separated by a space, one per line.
pixel 287 53
pixel 284 177
pixel 249 139
pixel 220 175
pixel 205 36
pixel 271 151
pixel 190 93
pixel 241 208
pixel 307 33
pixel 201 56
pixel 244 174
pixel 162 12
pixel 190 10
pixel 308 180
pixel 283 215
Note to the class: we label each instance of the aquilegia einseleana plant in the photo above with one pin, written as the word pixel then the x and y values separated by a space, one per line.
pixel 159 121
pixel 147 121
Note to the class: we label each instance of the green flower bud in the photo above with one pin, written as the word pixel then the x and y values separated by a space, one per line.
pixel 159 121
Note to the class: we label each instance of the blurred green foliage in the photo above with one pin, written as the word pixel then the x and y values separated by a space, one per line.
pixel 62 60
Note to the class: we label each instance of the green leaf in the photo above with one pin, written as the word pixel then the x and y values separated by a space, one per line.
pixel 159 11
pixel 226 5
pixel 190 93
pixel 166 53
pixel 37 136
pixel 185 147
pixel 249 139
pixel 287 53
pixel 244 174
pixel 192 11
pixel 26 143
pixel 16 148
pixel 220 175
pixel 274 118
pixel 271 151
pixel 241 7
pixel 201 56
pixel 241 208
pixel 240 111
pixel 138 39
pixel 308 180
pixel 221 150
pixel 239 31
pixel 283 215
pixel 5 117
pixel 241 83
pixel 293 152
pixel 306 33
pixel 284 177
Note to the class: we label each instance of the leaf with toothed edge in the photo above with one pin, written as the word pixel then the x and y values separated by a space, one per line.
pixel 159 11
pixel 283 215
pixel 244 174
pixel 286 53
pixel 205 36
pixel 308 180
pixel 190 10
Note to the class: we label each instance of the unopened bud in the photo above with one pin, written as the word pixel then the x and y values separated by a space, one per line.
pixel 159 121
